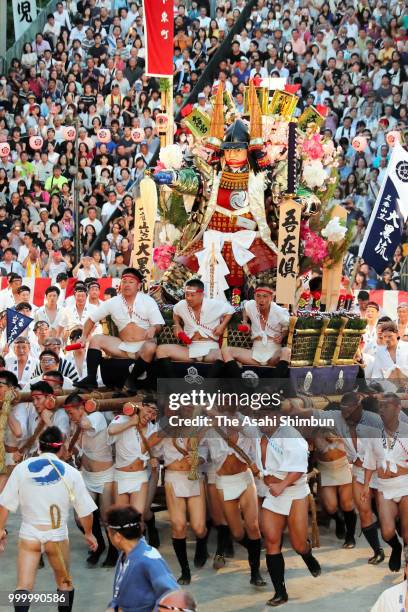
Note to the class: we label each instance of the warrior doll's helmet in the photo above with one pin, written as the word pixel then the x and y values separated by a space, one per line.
pixel 236 136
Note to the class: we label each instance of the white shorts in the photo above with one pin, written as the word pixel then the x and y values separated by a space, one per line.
pixel 201 348
pixel 358 476
pixel 131 347
pixel 283 503
pixel 335 473
pixel 262 353
pixel 29 532
pixel 95 481
pixel 234 485
pixel 130 482
pixel 394 488
pixel 182 486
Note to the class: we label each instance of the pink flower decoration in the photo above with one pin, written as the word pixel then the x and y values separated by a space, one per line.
pixel 159 167
pixel 314 246
pixel 304 230
pixel 313 148
pixel 329 148
pixel 163 256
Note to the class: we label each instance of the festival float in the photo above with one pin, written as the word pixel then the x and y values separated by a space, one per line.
pixel 248 201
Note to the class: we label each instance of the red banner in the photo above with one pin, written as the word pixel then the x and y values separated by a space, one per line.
pixel 159 34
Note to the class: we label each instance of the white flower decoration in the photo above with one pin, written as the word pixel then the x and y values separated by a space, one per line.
pixel 171 156
pixel 169 234
pixel 335 230
pixel 314 174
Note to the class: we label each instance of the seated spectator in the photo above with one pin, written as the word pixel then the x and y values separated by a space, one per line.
pixel 115 270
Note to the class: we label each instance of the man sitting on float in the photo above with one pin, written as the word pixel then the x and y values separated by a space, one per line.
pixel 268 325
pixel 138 320
pixel 199 323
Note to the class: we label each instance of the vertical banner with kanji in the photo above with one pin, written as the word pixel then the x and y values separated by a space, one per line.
pixel 24 14
pixel 16 323
pixel 390 212
pixel 288 252
pixel 159 34
pixel 145 219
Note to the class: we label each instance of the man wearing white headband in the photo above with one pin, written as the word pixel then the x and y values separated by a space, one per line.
pixel 199 324
pixel 268 325
pixel 138 320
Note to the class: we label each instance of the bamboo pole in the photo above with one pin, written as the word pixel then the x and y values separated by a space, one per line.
pixel 319 347
pixel 344 321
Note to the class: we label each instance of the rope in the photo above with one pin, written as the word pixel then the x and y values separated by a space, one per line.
pixel 5 411
pixel 55 515
pixel 71 494
pixel 315 527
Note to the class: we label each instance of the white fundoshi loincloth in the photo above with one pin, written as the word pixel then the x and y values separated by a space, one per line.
pixel 201 348
pixel 335 473
pixel 131 347
pixel 130 482
pixel 394 488
pixel 95 481
pixel 29 532
pixel 182 486
pixel 234 485
pixel 261 488
pixel 283 503
pixel 262 352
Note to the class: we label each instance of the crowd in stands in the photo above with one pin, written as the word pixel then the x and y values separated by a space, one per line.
pixel 89 62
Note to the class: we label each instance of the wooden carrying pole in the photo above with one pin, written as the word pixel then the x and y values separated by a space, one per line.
pixel 106 405
pixel 60 399
pixel 318 352
pixel 25 396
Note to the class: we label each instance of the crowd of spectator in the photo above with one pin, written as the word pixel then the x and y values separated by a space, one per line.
pixel 89 62
pixel 86 69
